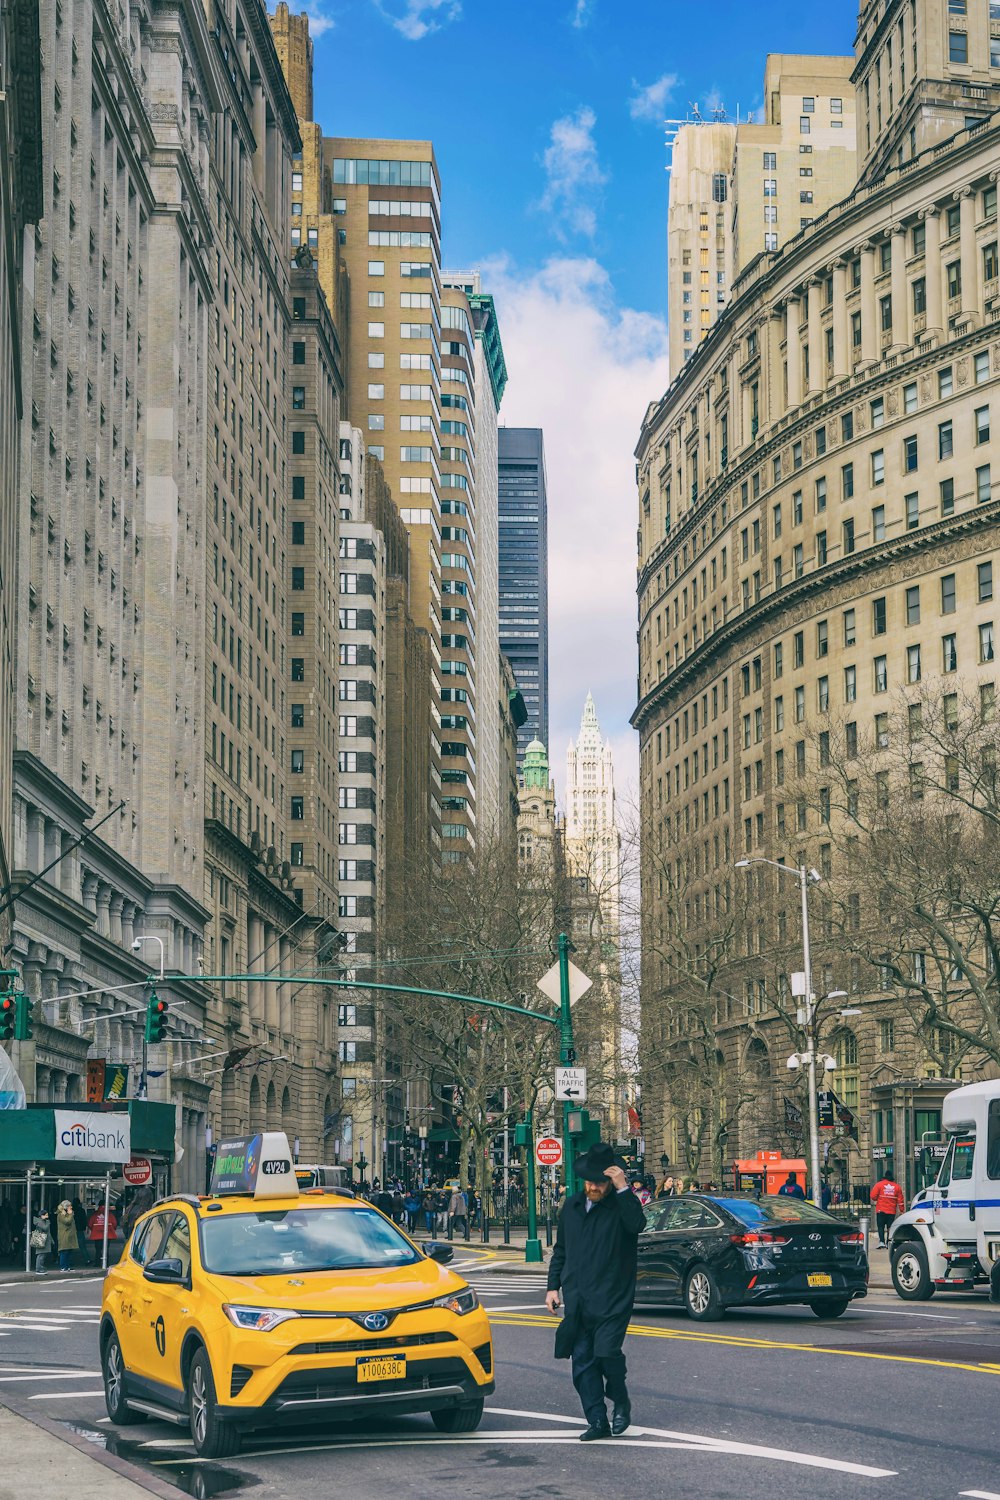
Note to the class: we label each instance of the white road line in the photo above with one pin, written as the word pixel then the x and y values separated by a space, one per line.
pixel 981 1494
pixel 522 1307
pixel 39 1327
pixel 68 1395
pixel 63 1375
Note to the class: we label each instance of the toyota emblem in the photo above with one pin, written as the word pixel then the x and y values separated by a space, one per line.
pixel 375 1322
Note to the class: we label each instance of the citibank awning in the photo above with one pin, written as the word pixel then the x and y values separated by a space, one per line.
pixel 79 1138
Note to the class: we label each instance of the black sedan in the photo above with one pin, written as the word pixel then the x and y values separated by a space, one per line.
pixel 708 1252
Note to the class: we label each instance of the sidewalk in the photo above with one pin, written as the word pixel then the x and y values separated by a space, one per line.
pixel 43 1458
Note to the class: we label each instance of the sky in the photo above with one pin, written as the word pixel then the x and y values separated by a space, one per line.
pixel 547 122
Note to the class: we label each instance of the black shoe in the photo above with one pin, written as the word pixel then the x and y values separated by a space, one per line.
pixel 595 1431
pixel 621 1417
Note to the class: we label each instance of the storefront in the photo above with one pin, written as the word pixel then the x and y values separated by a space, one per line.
pixel 100 1157
pixel 906 1129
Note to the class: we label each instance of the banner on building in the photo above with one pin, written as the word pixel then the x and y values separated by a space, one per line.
pixel 85 1135
pixel 116 1081
pixel 95 1080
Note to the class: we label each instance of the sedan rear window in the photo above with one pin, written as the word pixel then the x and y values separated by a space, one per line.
pixel 271 1242
pixel 775 1208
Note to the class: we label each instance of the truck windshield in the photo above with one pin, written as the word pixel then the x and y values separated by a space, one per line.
pixel 302 1239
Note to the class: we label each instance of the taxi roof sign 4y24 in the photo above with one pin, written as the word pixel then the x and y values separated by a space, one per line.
pixel 259 1164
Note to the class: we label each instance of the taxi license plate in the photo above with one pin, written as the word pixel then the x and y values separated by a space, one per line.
pixel 379 1367
pixel 818 1279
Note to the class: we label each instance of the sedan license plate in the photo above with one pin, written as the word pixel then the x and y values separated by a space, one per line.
pixel 819 1279
pixel 381 1367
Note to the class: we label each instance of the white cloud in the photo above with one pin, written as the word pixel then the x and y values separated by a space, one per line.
pixel 650 102
pixel 420 17
pixel 319 21
pixel 584 369
pixel 583 13
pixel 573 171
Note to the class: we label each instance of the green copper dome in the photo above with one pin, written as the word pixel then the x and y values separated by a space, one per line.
pixel 535 766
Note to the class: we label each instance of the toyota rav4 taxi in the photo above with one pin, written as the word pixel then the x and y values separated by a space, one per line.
pixel 259 1304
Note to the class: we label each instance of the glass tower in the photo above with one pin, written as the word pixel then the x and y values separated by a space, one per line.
pixel 524 594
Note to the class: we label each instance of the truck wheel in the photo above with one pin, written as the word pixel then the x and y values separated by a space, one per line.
pixel 910 1275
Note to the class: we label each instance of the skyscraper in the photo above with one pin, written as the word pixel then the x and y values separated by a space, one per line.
pixel 524 568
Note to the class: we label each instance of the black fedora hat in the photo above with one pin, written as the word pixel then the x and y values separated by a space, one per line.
pixel 593 1165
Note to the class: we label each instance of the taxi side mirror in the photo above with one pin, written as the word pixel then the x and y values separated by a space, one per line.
pixel 169 1272
pixel 440 1250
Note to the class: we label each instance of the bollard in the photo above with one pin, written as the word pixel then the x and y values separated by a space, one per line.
pixel 486 1226
pixel 451 1227
pixel 467 1229
pixel 506 1231
pixel 863 1225
pixel 548 1230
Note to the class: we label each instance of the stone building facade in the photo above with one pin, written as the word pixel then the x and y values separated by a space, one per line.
pixel 817 496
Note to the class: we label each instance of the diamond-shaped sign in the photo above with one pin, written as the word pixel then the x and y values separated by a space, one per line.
pixel 579 984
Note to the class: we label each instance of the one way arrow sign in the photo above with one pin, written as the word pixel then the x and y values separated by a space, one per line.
pixel 571 1084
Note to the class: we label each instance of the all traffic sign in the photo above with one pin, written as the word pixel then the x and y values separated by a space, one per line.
pixel 548 1151
pixel 571 1085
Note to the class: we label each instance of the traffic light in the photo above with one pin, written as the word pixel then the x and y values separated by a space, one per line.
pixel 8 1014
pixel 24 1006
pixel 156 1018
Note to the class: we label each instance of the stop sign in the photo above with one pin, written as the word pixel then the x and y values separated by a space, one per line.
pixel 548 1151
pixel 138 1171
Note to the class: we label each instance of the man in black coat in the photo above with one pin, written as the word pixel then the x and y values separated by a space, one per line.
pixel 594 1266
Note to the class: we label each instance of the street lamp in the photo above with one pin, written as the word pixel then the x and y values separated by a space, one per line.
pixel 805 876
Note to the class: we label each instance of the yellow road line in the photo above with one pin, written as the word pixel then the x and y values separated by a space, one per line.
pixel 642 1331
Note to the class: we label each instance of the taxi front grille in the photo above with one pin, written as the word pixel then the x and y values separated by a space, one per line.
pixel 304 1386
pixel 369 1346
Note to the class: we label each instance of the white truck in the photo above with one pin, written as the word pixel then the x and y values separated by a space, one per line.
pixel 949 1240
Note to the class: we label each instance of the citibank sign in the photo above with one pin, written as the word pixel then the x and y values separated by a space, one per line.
pixel 83 1135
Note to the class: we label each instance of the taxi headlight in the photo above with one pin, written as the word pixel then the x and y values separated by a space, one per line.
pixel 461 1303
pixel 259 1319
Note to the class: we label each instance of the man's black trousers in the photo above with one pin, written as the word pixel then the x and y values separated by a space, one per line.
pixel 596 1376
pixel 884 1222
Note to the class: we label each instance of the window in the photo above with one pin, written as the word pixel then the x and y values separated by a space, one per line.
pixel 984 488
pixel 919 239
pixel 909 454
pixel 946 445
pixel 982 415
pixel 878 616
pixel 913 605
pixel 297 853
pixel 298 398
pixel 958 47
pixel 948 594
pixel 298 762
pixel 298 669
pixel 847 481
pixel 821 549
pixel 823 695
pixel 820 496
pixel 298 623
pixel 376 392
pixel 850 684
pixel 949 653
pixel 947 488
pixel 798 648
pixel 856 330
pixel 878 524
pixel 878 412
pixel 911 504
pixel 298 809
pixel 878 466
pixel 881 674
pixel 953 276
pixel 986 642
pixel 298 579
pixel 770 161
pixel 850 627
pixel 990 267
pixel 800 704
pixel 804 125
pixel 913 664
pixel 848 535
pixel 376 268
pixel 984 574
pixel 770 187
pixel 882 731
pixel 885 313
pixel 920 298
pixel 298 715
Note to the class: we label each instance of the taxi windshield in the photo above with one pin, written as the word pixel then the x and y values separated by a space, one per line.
pixel 272 1241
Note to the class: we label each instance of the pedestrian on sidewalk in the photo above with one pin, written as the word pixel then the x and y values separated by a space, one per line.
pixel 790 1187
pixel 887 1196
pixel 594 1266
pixel 67 1238
pixel 458 1210
pixel 41 1240
pixel 95 1231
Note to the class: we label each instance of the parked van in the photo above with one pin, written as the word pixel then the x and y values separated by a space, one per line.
pixel 335 1179
pixel 950 1238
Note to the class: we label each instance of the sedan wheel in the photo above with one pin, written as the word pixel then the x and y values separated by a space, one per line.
pixel 830 1309
pixel 701 1296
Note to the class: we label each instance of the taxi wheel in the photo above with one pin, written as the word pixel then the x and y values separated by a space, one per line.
pixel 211 1438
pixel 701 1296
pixel 459 1418
pixel 113 1370
pixel 830 1309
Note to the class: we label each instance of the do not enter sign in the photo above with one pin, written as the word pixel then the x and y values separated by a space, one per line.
pixel 548 1151
pixel 138 1171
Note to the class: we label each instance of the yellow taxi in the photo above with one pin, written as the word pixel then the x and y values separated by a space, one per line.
pixel 260 1305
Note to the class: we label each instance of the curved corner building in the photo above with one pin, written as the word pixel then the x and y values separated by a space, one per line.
pixel 827 448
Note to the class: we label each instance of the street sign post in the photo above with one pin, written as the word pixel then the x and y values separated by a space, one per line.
pixel 579 984
pixel 571 1085
pixel 548 1151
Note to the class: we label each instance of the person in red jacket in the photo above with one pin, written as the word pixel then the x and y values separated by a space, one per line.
pixel 887 1196
pixel 95 1230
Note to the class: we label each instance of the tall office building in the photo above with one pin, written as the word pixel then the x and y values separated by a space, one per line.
pixel 20 207
pixel 524 574
pixel 699 234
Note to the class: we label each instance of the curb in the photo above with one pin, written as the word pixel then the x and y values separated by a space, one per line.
pixel 39 1278
pixel 119 1466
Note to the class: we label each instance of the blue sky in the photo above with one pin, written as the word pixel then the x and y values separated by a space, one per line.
pixel 546 116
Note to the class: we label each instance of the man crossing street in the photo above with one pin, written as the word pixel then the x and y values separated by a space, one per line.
pixel 593 1265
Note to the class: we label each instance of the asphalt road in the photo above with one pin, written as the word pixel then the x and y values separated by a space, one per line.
pixel 896 1399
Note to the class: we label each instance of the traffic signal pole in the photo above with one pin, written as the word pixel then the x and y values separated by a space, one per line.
pixel 567 1057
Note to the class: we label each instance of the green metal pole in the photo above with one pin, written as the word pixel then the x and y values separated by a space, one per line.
pixel 567 1056
pixel 533 1247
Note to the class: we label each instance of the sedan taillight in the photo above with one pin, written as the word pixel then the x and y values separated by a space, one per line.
pixel 854 1237
pixel 759 1237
